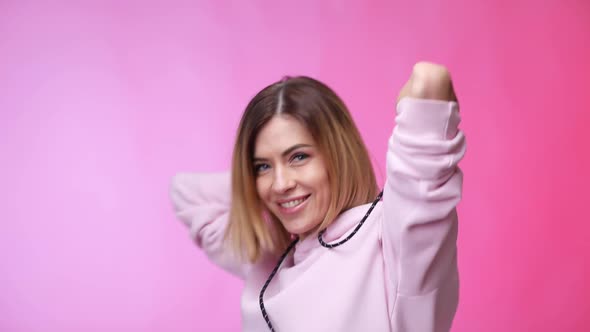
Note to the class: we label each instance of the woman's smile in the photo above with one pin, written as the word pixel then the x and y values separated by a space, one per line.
pixel 292 206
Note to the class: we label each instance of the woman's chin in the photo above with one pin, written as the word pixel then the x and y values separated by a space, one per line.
pixel 303 232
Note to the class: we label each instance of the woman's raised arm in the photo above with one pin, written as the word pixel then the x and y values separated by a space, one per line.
pixel 202 201
pixel 422 190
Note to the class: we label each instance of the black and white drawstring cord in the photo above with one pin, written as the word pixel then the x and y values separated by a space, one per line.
pixel 324 244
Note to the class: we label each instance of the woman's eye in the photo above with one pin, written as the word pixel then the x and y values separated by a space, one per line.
pixel 259 168
pixel 300 157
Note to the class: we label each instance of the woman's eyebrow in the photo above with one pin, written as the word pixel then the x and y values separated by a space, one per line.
pixel 293 148
pixel 286 152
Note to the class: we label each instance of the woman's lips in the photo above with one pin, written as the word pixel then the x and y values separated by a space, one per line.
pixel 292 205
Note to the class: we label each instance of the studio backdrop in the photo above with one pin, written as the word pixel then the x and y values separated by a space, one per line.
pixel 102 102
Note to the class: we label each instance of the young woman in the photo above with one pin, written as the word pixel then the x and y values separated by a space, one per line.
pixel 301 219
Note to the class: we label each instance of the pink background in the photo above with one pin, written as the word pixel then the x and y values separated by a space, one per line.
pixel 100 104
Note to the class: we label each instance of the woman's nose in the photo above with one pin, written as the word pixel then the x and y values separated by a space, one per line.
pixel 283 180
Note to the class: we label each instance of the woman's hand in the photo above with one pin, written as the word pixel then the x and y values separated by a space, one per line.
pixel 429 81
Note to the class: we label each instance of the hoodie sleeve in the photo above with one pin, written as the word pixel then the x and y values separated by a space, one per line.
pixel 419 229
pixel 202 202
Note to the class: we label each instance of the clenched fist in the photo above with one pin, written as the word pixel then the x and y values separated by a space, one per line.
pixel 429 81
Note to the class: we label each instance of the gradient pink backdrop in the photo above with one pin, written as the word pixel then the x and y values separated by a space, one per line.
pixel 100 104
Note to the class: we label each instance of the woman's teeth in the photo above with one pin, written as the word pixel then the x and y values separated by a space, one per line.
pixel 294 203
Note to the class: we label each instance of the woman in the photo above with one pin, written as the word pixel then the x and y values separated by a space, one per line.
pixel 302 223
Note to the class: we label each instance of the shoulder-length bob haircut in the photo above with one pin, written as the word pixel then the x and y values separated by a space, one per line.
pixel 252 230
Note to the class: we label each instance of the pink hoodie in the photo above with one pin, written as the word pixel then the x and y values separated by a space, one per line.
pixel 398 273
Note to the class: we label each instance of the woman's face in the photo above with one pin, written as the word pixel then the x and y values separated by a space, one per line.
pixel 291 175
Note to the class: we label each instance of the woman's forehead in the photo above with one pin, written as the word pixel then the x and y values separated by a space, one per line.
pixel 280 133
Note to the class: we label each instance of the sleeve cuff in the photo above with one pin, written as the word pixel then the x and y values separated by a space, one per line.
pixel 427 118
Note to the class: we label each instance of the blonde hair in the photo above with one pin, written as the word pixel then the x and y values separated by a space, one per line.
pixel 253 230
